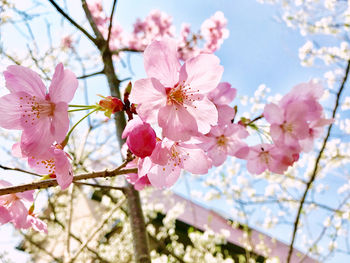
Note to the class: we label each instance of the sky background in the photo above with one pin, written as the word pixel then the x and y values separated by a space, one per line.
pixel 259 50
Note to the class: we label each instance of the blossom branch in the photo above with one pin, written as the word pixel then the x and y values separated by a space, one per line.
pixel 100 40
pixel 109 187
pixel 91 236
pixel 53 182
pixel 72 21
pixel 116 52
pixel 137 221
pixel 69 221
pixel 90 75
pixel 29 239
pixel 315 170
pixel 56 220
pixel 111 22
pixel 18 170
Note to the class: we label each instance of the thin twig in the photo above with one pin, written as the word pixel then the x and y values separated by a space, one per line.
pixel 254 120
pixel 18 170
pixel 69 222
pixel 100 40
pixel 315 170
pixel 53 182
pixel 90 75
pixel 116 52
pixel 91 236
pixel 163 247
pixel 109 187
pixel 55 220
pixel 40 248
pixel 325 228
pixel 72 21
pixel 110 23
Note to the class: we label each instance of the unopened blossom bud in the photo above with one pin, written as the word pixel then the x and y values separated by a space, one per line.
pixel 128 88
pixel 110 105
pixel 141 138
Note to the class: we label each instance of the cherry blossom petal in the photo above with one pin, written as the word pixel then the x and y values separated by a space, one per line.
pixel 22 79
pixel 37 224
pixel 19 214
pixel 150 95
pixel 63 85
pixel 163 176
pixel 194 160
pixel 27 195
pixel 36 141
pixel 10 111
pixel 223 94
pixel 16 150
pixel 160 154
pixel 64 173
pixel 161 61
pixel 177 123
pixel 60 122
pixel 202 73
pixel 225 114
pixel 217 155
pixel 205 114
pixel 238 148
pixel 5 216
pixel 273 114
pixel 254 166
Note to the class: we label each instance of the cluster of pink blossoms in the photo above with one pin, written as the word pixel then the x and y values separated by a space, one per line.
pixel 295 122
pixel 158 25
pixel 13 209
pixel 191 107
pixel 118 37
pixel 43 118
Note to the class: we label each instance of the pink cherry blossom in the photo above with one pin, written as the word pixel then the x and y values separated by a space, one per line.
pixel 13 209
pixel 56 163
pixel 270 157
pixel 99 16
pixel 139 180
pixel 223 94
pixel 309 94
pixel 156 26
pixel 221 97
pixel 187 43
pixel 42 116
pixel 214 31
pixel 141 138
pixel 316 129
pixel 175 95
pixel 164 166
pixel 288 124
pixel 223 141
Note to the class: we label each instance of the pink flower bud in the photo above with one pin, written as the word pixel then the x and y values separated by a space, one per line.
pixel 141 138
pixel 110 105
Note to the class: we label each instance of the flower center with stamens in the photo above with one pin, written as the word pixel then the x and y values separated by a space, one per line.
pixel 9 199
pixel 49 165
pixel 179 94
pixel 221 140
pixel 264 157
pixel 175 156
pixel 34 108
pixel 287 127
